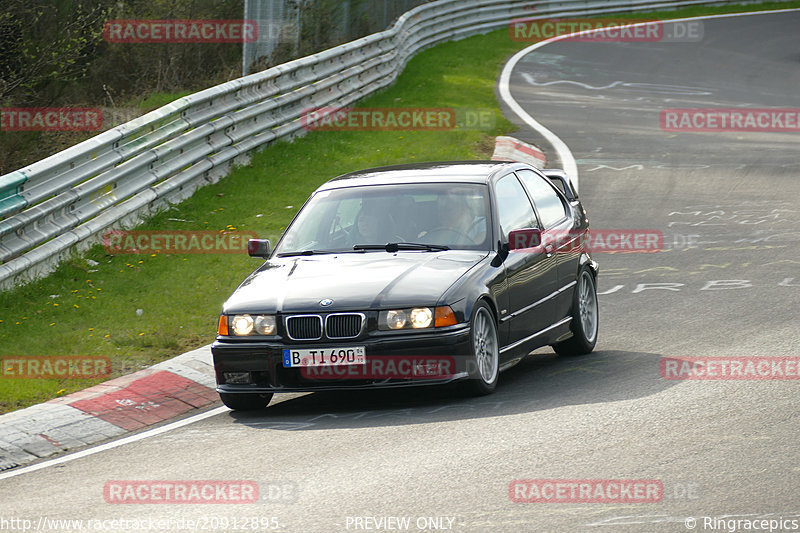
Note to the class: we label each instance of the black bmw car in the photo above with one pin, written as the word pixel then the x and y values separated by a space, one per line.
pixel 412 275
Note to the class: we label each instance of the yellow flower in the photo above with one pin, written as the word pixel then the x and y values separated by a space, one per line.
pixel 107 335
pixel 75 306
pixel 52 323
pixel 62 391
pixel 55 305
pixel 91 329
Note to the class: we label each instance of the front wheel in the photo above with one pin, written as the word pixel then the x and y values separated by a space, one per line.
pixel 484 363
pixel 585 323
pixel 245 401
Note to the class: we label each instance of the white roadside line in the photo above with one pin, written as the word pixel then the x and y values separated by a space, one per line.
pixel 569 165
pixel 109 445
pixel 564 154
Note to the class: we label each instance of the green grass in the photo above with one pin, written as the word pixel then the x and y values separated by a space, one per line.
pixel 156 100
pixel 92 310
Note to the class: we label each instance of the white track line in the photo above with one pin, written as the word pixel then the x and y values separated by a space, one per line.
pixel 109 445
pixel 564 154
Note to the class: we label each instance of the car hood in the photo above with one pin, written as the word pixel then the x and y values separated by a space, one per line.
pixel 354 281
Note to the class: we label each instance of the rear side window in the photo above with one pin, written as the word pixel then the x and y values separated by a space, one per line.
pixel 548 203
pixel 514 210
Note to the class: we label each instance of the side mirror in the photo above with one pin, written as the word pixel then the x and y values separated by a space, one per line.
pixel 258 248
pixel 521 239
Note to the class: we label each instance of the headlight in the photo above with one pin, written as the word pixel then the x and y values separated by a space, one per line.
pixel 265 325
pixel 243 325
pixel 396 319
pixel 421 317
pixel 415 318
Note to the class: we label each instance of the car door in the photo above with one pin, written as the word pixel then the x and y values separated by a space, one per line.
pixel 531 274
pixel 558 225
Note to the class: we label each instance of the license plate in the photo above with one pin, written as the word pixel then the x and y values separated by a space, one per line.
pixel 354 355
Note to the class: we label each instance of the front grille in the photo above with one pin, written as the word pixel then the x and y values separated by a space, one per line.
pixel 343 325
pixel 304 327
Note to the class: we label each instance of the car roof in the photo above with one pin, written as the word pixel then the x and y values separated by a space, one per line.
pixel 433 172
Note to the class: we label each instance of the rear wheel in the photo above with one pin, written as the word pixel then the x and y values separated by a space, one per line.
pixel 484 363
pixel 585 318
pixel 245 401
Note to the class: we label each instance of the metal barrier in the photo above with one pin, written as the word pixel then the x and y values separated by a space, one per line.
pixel 67 201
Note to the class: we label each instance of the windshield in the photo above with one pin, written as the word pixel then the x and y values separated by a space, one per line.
pixel 453 215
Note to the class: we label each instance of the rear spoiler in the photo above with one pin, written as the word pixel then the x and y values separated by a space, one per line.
pixel 560 179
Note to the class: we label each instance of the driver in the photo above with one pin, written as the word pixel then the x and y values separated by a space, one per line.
pixel 456 214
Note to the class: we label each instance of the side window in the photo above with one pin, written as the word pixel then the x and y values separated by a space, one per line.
pixel 548 203
pixel 514 210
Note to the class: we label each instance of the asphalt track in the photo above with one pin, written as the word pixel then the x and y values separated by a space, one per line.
pixel 719 448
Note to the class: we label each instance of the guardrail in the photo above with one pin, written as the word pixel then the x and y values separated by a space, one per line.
pixel 67 201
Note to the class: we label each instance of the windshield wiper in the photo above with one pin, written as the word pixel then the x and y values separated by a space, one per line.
pixel 395 246
pixel 315 252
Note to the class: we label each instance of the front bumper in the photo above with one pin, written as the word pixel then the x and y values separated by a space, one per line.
pixel 392 361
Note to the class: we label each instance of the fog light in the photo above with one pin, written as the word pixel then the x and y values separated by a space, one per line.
pixel 237 378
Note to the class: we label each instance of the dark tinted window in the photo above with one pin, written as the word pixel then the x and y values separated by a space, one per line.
pixel 548 203
pixel 513 207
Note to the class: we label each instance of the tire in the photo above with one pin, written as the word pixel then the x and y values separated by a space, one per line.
pixel 585 318
pixel 484 363
pixel 245 401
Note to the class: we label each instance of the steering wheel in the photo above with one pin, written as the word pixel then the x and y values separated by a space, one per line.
pixel 452 231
